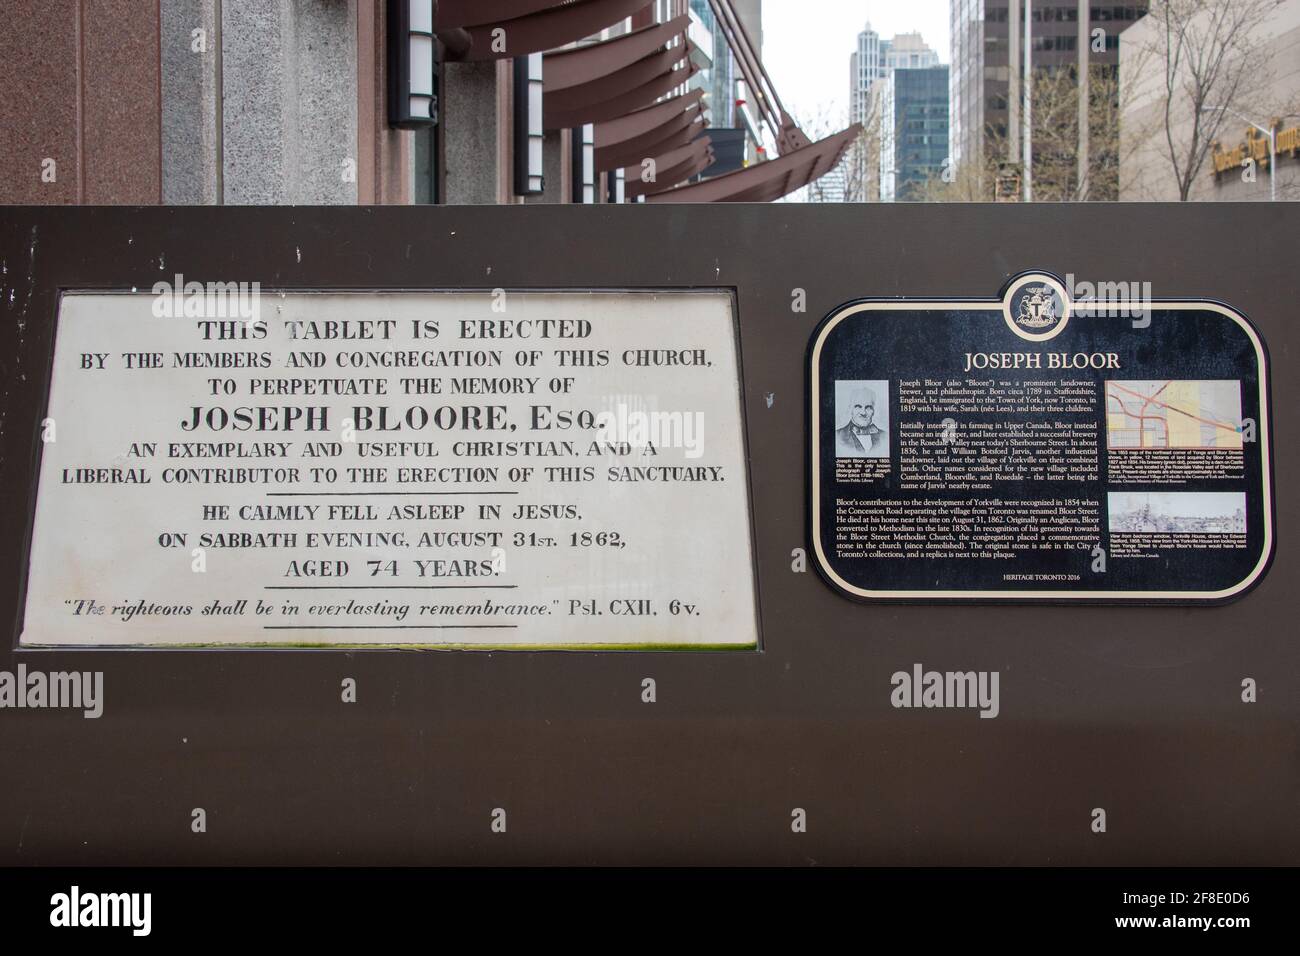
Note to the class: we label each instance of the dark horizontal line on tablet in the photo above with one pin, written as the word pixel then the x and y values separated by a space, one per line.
pixel 386 627
pixel 386 587
pixel 338 494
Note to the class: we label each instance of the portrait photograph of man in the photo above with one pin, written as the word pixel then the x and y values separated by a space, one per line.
pixel 861 419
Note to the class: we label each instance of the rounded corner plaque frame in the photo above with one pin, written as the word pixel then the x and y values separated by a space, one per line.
pixel 1000 308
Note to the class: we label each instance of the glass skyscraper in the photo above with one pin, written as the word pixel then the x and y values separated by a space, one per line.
pixel 914 130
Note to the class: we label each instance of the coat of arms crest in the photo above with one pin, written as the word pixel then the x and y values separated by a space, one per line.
pixel 1037 307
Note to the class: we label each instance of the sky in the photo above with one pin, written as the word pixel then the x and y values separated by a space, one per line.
pixel 807 43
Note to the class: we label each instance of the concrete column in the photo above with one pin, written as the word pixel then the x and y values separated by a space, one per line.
pixel 289 101
pixel 472 115
pixel 505 132
pixel 557 168
pixel 190 83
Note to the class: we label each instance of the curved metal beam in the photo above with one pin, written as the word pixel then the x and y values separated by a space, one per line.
pixel 767 181
pixel 618 105
pixel 471 13
pixel 616 84
pixel 679 175
pixel 586 64
pixel 646 120
pixel 679 132
pixel 669 168
pixel 547 29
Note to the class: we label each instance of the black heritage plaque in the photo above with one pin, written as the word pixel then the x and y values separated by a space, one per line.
pixel 1109 449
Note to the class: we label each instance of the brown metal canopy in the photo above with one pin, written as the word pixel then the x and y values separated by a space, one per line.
pixel 679 175
pixel 471 13
pixel 670 168
pixel 619 105
pixel 529 26
pixel 644 122
pixel 586 95
pixel 767 181
pixel 699 166
pixel 586 64
pixel 685 129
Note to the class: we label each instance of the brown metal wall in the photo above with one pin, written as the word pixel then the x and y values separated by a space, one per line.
pixel 1136 710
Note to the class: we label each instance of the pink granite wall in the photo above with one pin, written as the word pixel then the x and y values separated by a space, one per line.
pixel 79 84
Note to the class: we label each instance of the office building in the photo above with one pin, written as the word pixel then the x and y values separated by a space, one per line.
pixel 913 130
pixel 866 65
pixel 874 58
pixel 908 51
pixel 986 83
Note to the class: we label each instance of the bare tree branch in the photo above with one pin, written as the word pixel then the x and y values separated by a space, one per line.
pixel 1208 49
